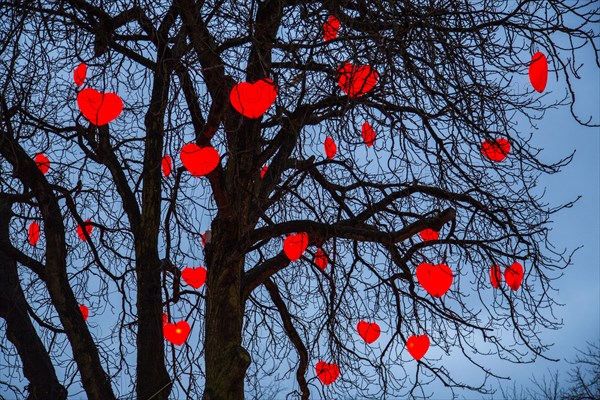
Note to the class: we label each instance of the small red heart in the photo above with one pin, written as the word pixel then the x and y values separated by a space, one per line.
pixel 356 81
pixel 417 346
pixel 429 234
pixel 79 74
pixel 263 171
pixel 368 134
pixel 203 236
pixel 495 276
pixel 88 228
pixel 195 277
pixel 42 163
pixel 253 99
pixel 84 312
pixel 321 259
pixel 538 71
pixel 496 150
pixel 176 333
pixel 513 276
pixel 99 108
pixel 330 148
pixel 369 331
pixel 199 161
pixel 295 245
pixel 435 279
pixel 331 28
pixel 167 165
pixel 327 372
pixel 165 319
pixel 33 233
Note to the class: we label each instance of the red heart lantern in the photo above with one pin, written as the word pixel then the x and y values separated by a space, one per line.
pixel 496 150
pixel 199 161
pixel 356 81
pixel 253 99
pixel 330 148
pixel 435 279
pixel 42 163
pixel 33 233
pixel 88 229
pixel 321 259
pixel 417 346
pixel 79 74
pixel 84 312
pixel 263 171
pixel 327 372
pixel 195 277
pixel 369 331
pixel 176 333
pixel 368 134
pixel 203 236
pixel 99 108
pixel 538 71
pixel 513 276
pixel 331 28
pixel 295 245
pixel 429 234
pixel 495 276
pixel 167 165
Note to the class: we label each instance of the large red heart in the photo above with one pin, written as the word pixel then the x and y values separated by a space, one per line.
pixel 177 333
pixel 253 99
pixel 330 148
pixel 327 372
pixel 368 134
pixel 199 161
pixel 321 259
pixel 356 81
pixel 167 165
pixel 417 346
pixel 435 279
pixel 33 233
pixel 331 28
pixel 88 229
pixel 42 163
pixel 495 276
pixel 195 277
pixel 538 71
pixel 295 245
pixel 496 150
pixel 79 74
pixel 429 234
pixel 513 276
pixel 99 108
pixel 369 331
pixel 84 312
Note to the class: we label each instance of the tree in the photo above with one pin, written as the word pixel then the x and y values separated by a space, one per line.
pixel 441 85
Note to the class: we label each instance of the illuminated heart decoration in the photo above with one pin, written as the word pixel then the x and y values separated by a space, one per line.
pixel 165 319
pixel 331 28
pixel 495 276
pixel 176 333
pixel 88 229
pixel 42 163
pixel 167 165
pixel 263 171
pixel 356 81
pixel 513 276
pixel 417 346
pixel 368 134
pixel 496 150
pixel 99 108
pixel 369 331
pixel 435 279
pixel 203 236
pixel 295 245
pixel 84 312
pixel 538 71
pixel 195 277
pixel 429 234
pixel 327 372
pixel 199 161
pixel 253 99
pixel 79 74
pixel 321 259
pixel 330 148
pixel 33 233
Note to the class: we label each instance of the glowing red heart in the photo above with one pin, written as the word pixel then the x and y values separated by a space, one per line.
pixel 42 163
pixel 321 259
pixel 331 28
pixel 369 331
pixel 435 279
pixel 165 319
pixel 176 333
pixel 167 165
pixel 99 108
pixel 88 229
pixel 368 134
pixel 429 234
pixel 330 148
pixel 199 161
pixel 79 74
pixel 495 276
pixel 496 150
pixel 417 346
pixel 203 236
pixel 356 81
pixel 253 99
pixel 263 171
pixel 84 312
pixel 195 277
pixel 33 233
pixel 513 276
pixel 538 71
pixel 295 245
pixel 327 372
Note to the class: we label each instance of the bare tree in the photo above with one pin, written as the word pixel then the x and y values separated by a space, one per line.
pixel 441 175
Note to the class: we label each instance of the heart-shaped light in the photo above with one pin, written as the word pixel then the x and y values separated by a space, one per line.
pixel 368 134
pixel 330 148
pixel 295 245
pixel 33 233
pixel 99 108
pixel 88 229
pixel 252 100
pixel 496 150
pixel 42 162
pixel 429 234
pixel 84 312
pixel 513 276
pixel 327 372
pixel 495 276
pixel 355 81
pixel 435 279
pixel 369 331
pixel 176 333
pixel 199 161
pixel 538 71
pixel 167 165
pixel 331 28
pixel 417 346
pixel 79 74
pixel 195 277
pixel 321 259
